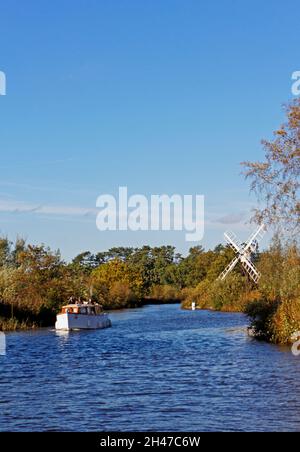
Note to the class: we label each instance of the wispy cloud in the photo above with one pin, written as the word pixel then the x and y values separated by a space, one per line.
pixel 23 207
pixel 232 218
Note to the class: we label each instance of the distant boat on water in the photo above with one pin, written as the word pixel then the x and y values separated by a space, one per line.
pixel 82 316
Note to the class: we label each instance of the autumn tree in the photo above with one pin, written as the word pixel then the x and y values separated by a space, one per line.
pixel 117 284
pixel 276 179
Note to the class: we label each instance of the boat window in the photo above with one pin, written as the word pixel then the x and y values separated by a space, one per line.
pixel 82 310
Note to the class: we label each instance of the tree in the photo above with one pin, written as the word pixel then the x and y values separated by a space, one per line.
pixel 121 253
pixel 275 313
pixel 85 261
pixel 276 180
pixel 116 283
pixel 196 266
pixel 5 251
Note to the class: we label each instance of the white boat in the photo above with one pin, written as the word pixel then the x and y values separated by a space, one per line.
pixel 82 316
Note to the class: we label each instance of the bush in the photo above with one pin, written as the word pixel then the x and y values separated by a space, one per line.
pixel 118 296
pixel 227 295
pixel 116 284
pixel 276 314
pixel 165 293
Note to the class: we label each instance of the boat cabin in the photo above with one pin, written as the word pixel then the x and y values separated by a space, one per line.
pixel 83 309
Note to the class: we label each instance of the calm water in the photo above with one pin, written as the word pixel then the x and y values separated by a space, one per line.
pixel 158 368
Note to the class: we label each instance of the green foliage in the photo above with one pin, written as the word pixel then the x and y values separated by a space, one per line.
pixel 276 314
pixel 227 295
pixel 35 282
pixel 165 293
pixel 117 284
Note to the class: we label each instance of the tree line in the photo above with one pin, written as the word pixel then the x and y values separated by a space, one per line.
pixel 35 282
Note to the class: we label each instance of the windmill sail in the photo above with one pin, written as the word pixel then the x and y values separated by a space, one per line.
pixel 258 235
pixel 251 270
pixel 229 268
pixel 244 252
pixel 232 241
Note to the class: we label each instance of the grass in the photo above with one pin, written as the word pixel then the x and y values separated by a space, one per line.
pixel 13 324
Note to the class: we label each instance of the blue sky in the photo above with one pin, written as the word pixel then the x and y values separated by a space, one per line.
pixel 161 97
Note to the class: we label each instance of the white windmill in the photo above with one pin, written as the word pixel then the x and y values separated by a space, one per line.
pixel 244 253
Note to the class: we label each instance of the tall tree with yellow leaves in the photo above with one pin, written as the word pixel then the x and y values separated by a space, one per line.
pixel 276 180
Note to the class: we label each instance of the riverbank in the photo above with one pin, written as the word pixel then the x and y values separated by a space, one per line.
pixel 23 323
pixel 14 324
pixel 35 283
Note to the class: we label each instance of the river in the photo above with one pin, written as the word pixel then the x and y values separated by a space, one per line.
pixel 157 369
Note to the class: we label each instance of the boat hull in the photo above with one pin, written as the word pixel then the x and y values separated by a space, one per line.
pixel 69 322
